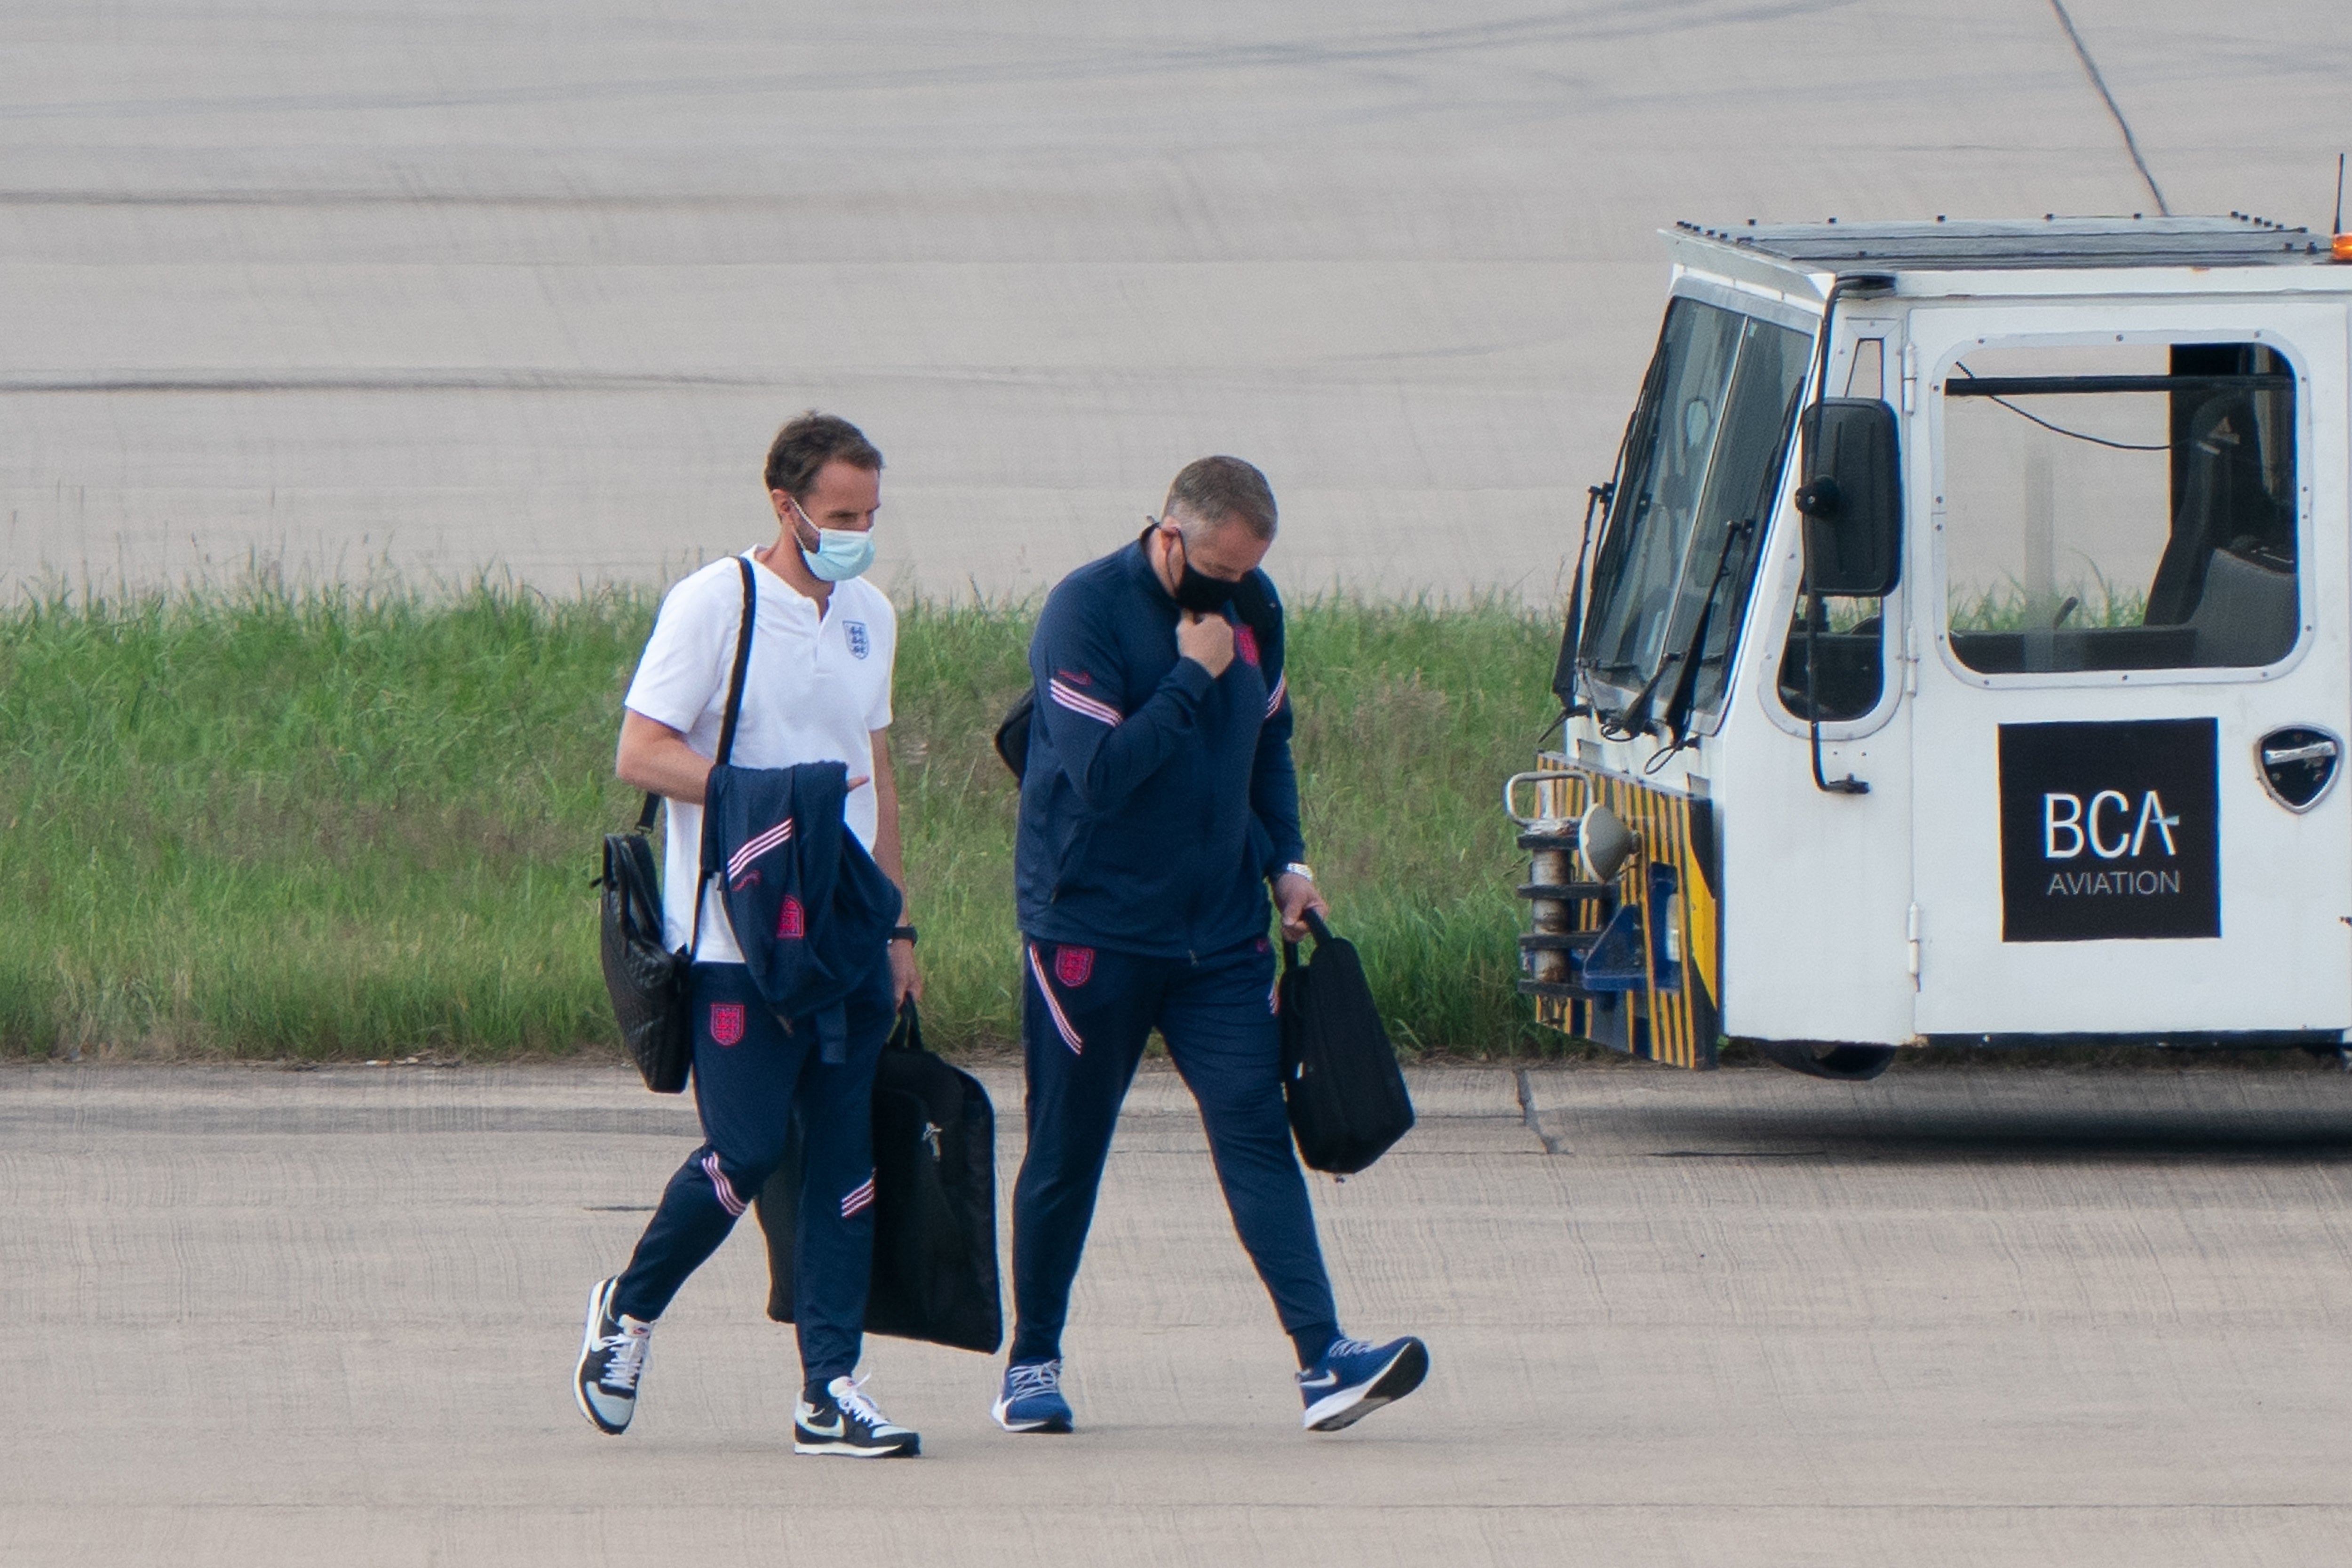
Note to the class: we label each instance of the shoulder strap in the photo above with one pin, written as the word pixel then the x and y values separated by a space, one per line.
pixel 742 663
pixel 726 727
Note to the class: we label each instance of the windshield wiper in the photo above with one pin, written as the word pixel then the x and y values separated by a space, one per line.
pixel 1569 664
pixel 1612 720
pixel 1678 706
pixel 1634 718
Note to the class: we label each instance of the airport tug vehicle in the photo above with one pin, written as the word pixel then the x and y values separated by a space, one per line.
pixel 1961 652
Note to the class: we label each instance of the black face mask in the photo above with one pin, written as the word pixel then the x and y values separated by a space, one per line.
pixel 1205 595
pixel 1202 594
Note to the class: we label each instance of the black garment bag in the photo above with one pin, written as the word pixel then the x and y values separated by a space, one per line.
pixel 647 980
pixel 1340 1079
pixel 934 1203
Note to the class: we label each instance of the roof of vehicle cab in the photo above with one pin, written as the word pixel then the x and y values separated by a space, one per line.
pixel 1976 244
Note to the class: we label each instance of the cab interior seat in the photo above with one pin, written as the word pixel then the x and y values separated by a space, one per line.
pixel 2246 617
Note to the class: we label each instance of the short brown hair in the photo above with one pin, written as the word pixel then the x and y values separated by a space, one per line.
pixel 811 440
pixel 1213 489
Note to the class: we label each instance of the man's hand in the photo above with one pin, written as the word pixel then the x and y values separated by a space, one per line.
pixel 906 979
pixel 1294 895
pixel 1206 640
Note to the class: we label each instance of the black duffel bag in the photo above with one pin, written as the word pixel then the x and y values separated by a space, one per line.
pixel 647 980
pixel 934 1203
pixel 1340 1079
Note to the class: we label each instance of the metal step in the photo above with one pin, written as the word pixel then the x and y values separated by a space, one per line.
pixel 1558 990
pixel 1557 941
pixel 1566 892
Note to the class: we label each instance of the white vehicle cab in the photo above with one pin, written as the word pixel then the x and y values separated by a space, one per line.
pixel 1963 653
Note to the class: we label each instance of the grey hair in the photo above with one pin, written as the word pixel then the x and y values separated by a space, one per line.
pixel 1211 491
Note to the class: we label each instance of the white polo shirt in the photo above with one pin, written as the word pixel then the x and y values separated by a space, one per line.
pixel 817 690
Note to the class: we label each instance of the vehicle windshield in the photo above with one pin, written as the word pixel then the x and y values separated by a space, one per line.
pixel 1703 458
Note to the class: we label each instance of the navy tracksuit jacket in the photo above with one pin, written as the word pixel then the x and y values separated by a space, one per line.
pixel 798 1027
pixel 809 906
pixel 1156 803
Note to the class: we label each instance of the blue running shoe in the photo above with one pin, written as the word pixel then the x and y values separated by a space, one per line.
pixel 1032 1400
pixel 1355 1378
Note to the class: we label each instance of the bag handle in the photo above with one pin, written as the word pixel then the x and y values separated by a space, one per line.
pixel 908 1035
pixel 726 733
pixel 1314 923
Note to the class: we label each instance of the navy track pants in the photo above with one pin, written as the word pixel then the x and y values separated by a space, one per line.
pixel 750 1075
pixel 1086 1012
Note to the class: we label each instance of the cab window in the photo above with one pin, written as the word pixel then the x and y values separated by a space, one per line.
pixel 2119 508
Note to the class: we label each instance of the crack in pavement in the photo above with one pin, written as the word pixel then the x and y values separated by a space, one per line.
pixel 1528 1113
pixel 2114 110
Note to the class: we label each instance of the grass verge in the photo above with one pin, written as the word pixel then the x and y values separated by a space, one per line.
pixel 363 822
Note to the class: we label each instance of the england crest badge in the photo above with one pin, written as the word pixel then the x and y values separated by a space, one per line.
pixel 860 644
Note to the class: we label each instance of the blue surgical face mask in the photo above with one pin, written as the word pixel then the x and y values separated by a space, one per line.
pixel 840 554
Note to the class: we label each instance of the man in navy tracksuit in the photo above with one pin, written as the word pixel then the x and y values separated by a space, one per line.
pixel 1157 804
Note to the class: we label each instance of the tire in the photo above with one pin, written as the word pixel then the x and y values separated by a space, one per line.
pixel 1821 1058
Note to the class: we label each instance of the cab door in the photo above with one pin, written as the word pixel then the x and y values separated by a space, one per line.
pixel 2133 679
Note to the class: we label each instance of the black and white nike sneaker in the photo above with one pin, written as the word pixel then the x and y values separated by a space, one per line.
pixel 1355 1378
pixel 611 1360
pixel 845 1422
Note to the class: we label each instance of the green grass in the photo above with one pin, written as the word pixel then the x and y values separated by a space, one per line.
pixel 2095 605
pixel 363 824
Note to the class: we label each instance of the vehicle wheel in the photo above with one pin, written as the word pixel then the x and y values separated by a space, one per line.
pixel 1817 1058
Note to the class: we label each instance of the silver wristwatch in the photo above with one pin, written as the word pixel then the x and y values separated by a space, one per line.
pixel 1299 868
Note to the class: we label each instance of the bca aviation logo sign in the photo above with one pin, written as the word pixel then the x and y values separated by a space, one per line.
pixel 2109 830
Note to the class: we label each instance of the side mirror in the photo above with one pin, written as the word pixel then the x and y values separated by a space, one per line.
pixel 1852 498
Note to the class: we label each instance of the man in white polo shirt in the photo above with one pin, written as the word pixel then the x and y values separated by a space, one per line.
pixel 817 690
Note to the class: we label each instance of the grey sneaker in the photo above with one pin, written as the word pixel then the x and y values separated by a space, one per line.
pixel 611 1360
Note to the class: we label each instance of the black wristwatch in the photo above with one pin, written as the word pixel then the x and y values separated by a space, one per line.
pixel 903 933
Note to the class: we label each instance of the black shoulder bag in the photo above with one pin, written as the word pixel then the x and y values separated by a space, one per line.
pixel 1012 735
pixel 648 982
pixel 1340 1079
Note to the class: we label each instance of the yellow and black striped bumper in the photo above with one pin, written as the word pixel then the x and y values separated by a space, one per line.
pixel 1662 996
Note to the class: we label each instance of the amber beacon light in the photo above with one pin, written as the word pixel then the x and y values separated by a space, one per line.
pixel 2340 248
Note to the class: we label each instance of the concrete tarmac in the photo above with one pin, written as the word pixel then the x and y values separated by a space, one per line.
pixel 1953 1317
pixel 512 285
